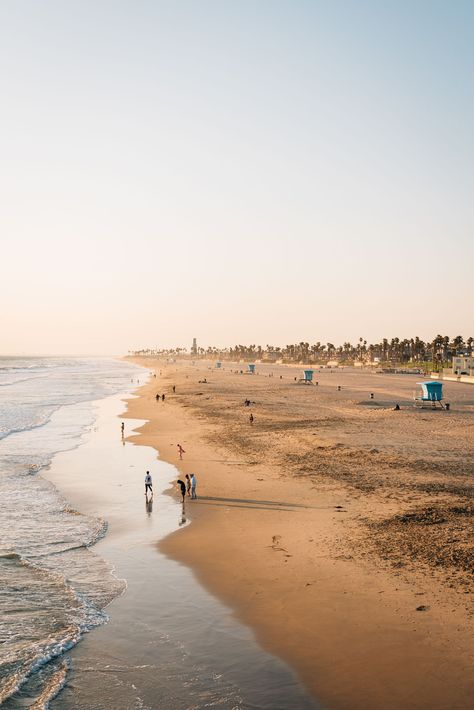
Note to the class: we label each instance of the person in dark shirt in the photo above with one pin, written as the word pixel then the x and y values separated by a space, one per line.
pixel 182 486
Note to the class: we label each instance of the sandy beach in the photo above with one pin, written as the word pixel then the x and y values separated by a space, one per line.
pixel 168 643
pixel 338 528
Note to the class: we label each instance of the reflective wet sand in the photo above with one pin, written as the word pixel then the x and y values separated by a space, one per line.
pixel 168 644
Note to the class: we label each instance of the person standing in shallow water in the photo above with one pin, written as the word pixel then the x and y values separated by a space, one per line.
pixel 193 486
pixel 182 487
pixel 148 483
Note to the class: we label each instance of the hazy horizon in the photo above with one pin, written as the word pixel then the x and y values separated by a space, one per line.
pixel 252 172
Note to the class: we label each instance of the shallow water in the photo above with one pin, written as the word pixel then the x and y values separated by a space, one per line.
pixel 52 588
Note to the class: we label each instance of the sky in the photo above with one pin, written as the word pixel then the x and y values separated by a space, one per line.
pixel 265 171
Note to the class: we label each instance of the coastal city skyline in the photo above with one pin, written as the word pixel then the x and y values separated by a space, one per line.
pixel 253 171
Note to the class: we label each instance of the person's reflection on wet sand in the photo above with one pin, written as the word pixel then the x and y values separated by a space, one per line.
pixel 182 519
pixel 149 505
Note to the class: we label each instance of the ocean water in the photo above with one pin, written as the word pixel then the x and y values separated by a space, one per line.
pixel 53 588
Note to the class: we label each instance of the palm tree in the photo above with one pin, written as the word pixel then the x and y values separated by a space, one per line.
pixel 458 344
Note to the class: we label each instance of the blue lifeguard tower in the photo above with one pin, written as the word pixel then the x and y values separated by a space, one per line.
pixel 251 369
pixel 218 365
pixel 307 379
pixel 431 391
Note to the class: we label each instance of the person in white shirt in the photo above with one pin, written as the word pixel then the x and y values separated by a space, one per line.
pixel 148 483
pixel 193 485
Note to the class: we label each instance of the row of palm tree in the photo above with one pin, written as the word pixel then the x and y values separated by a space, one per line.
pixel 437 352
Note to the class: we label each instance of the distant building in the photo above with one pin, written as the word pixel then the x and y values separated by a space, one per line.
pixel 194 347
pixel 463 365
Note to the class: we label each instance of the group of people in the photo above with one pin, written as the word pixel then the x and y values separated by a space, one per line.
pixel 187 488
pixel 162 396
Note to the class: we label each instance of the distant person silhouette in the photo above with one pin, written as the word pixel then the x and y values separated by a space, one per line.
pixel 193 486
pixel 251 418
pixel 188 484
pixel 181 451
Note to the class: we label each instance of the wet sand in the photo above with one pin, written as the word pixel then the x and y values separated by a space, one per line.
pixel 340 529
pixel 168 643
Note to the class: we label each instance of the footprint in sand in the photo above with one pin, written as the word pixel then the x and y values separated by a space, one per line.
pixel 276 544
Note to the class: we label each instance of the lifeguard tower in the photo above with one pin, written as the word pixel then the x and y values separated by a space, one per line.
pixel 251 369
pixel 308 377
pixel 431 392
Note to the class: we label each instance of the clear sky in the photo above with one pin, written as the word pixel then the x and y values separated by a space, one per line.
pixel 264 171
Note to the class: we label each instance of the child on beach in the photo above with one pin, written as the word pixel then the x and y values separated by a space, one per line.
pixel 188 484
pixel 182 486
pixel 181 451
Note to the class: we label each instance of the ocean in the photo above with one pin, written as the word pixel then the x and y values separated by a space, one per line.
pixel 53 587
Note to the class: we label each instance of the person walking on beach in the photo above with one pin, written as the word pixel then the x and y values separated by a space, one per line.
pixel 251 418
pixel 123 428
pixel 157 397
pixel 181 451
pixel 148 483
pixel 188 484
pixel 174 389
pixel 193 485
pixel 162 397
pixel 182 487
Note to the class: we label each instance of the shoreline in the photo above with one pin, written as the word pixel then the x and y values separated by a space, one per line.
pixel 250 546
pixel 167 642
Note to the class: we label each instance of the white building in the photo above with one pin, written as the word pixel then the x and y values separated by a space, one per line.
pixel 463 365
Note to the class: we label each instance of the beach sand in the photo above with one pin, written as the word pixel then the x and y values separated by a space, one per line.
pixel 168 643
pixel 339 529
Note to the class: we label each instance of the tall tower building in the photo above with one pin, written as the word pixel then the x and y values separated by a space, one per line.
pixel 194 347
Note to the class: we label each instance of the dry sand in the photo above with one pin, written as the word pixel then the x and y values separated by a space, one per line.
pixel 341 530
